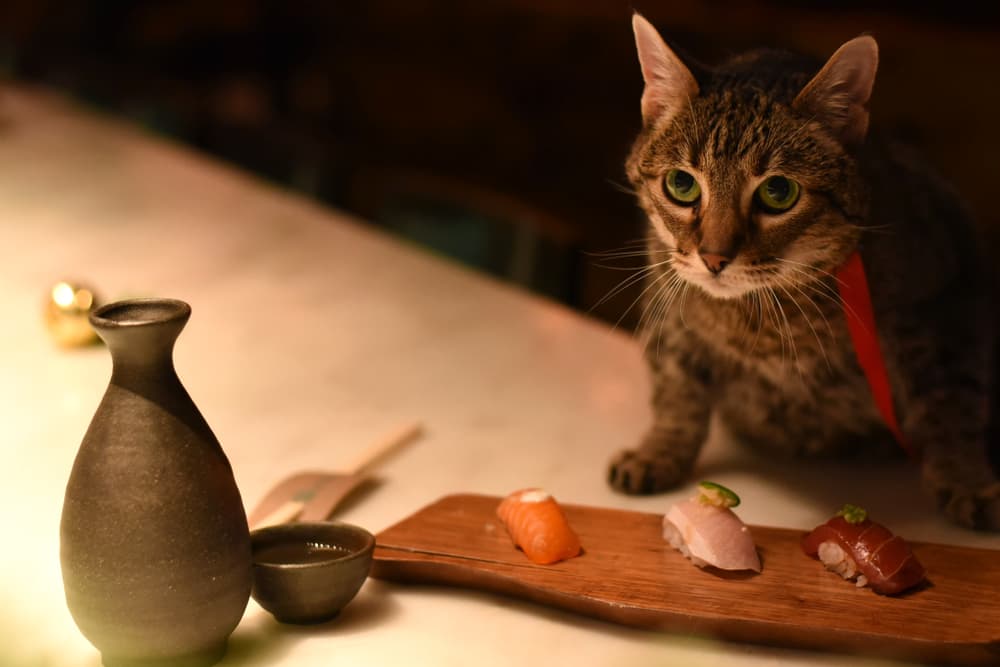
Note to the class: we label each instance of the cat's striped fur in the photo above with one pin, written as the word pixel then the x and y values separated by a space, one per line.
pixel 762 339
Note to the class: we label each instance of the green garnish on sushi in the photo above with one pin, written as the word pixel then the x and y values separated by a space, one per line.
pixel 711 493
pixel 853 514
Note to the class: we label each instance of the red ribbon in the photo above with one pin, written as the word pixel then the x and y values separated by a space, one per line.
pixel 857 302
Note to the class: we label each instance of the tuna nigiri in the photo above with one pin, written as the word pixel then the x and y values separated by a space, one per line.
pixel 706 530
pixel 856 547
pixel 537 524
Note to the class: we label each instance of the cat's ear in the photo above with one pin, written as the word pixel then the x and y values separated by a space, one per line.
pixel 839 94
pixel 669 83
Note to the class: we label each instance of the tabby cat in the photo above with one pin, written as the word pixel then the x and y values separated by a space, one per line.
pixel 759 180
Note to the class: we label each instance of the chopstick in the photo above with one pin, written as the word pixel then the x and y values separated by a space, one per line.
pixel 366 461
pixel 379 450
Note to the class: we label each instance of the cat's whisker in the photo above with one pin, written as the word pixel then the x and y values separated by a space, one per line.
pixel 627 245
pixel 768 308
pixel 760 317
pixel 597 259
pixel 661 306
pixel 811 267
pixel 775 318
pixel 620 287
pixel 808 320
pixel 878 229
pixel 659 303
pixel 818 285
pixel 832 295
pixel 815 305
pixel 819 311
pixel 684 293
pixel 744 309
pixel 623 255
pixel 788 327
pixel 621 187
pixel 747 300
pixel 652 304
pixel 820 294
pixel 660 313
pixel 773 313
pixel 638 276
pixel 627 248
pixel 632 244
pixel 618 254
pixel 609 267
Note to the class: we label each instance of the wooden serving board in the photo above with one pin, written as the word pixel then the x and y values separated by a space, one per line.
pixel 628 574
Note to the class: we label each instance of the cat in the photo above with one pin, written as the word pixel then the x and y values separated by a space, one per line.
pixel 759 179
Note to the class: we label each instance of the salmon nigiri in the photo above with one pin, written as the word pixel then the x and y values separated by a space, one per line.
pixel 707 531
pixel 537 524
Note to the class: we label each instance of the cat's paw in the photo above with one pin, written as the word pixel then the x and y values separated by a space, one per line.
pixel 637 473
pixel 972 508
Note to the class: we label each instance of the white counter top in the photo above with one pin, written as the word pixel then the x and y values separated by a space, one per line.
pixel 311 336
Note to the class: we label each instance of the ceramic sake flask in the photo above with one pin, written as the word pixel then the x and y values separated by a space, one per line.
pixel 155 547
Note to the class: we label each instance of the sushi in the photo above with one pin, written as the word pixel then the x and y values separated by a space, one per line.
pixel 855 547
pixel 537 525
pixel 707 531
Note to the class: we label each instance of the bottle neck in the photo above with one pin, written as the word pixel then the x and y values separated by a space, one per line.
pixel 142 358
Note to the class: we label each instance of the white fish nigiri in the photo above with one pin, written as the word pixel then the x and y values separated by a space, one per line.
pixel 707 531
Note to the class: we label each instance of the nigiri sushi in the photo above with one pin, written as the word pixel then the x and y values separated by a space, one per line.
pixel 536 524
pixel 706 530
pixel 855 547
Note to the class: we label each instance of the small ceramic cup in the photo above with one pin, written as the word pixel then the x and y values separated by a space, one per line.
pixel 307 572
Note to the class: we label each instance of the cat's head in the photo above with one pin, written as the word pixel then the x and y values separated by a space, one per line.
pixel 747 170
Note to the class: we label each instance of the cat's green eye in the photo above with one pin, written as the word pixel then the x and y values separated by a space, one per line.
pixel 681 187
pixel 778 194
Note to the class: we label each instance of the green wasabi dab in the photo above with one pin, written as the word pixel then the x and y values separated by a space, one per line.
pixel 853 514
pixel 710 493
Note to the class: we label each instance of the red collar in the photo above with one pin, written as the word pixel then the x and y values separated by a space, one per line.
pixel 857 302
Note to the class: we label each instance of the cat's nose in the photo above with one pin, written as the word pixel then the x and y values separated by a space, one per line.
pixel 714 263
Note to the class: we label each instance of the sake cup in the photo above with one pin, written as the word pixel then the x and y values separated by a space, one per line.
pixel 307 572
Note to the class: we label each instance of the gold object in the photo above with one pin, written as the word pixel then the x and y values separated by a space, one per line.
pixel 67 312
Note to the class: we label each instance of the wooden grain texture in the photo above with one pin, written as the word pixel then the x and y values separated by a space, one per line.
pixel 629 575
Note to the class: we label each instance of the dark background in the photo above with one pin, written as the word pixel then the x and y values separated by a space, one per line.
pixel 491 131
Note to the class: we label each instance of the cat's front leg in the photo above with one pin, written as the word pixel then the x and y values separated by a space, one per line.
pixel 945 416
pixel 949 430
pixel 967 495
pixel 681 411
